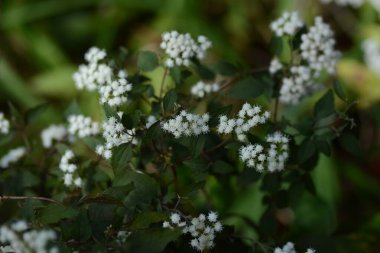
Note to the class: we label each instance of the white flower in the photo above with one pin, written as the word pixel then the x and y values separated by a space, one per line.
pixel 68 168
pixel 287 24
pixel 272 158
pixel 82 126
pixel 12 156
pixel 275 66
pixel 4 124
pixel 150 121
pixel 180 48
pixel 248 117
pixel 20 238
pixel 202 229
pixel 53 132
pixel 187 124
pixel 353 3
pixel 200 89
pixel 310 250
pixel 114 93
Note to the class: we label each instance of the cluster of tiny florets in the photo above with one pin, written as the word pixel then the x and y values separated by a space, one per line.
pixel 4 124
pixel 353 3
pixel 248 117
pixel 318 54
pixel 12 156
pixel 20 238
pixel 69 168
pixel 187 124
pixel 371 50
pixel 289 248
pixel 200 89
pixel 318 47
pixel 114 134
pixel 53 132
pixel 180 48
pixel 95 73
pixel 98 76
pixel 82 126
pixel 202 229
pixel 114 93
pixel 272 158
pixel 275 66
pixel 287 24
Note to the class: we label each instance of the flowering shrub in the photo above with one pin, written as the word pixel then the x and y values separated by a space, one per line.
pixel 137 179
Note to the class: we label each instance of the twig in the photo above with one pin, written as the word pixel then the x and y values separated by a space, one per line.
pixel 163 82
pixel 29 198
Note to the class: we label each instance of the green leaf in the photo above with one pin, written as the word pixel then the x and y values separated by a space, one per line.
pixel 350 143
pixel 121 156
pixel 143 220
pixel 221 167
pixel 324 147
pixel 73 109
pixel 198 169
pixel 53 213
pixel 204 72
pixel 225 68
pixel 147 61
pixel 325 105
pixel 197 145
pixel 169 100
pixel 175 73
pixel 151 240
pixel 306 150
pixel 247 88
pixel 32 114
pixel 110 112
pixel 248 176
pixel 339 91
pixel 281 47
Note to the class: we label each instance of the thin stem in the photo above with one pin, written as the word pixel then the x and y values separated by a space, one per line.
pixel 275 109
pixel 29 198
pixel 163 82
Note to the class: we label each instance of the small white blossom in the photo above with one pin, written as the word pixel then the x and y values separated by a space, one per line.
pixel 248 117
pixel 114 93
pixel 12 156
pixel 272 158
pixel 82 126
pixel 69 168
pixel 187 124
pixel 53 132
pixel 20 238
pixel 275 66
pixel 180 48
pixel 287 24
pixel 150 121
pixel 289 248
pixel 202 229
pixel 200 89
pixel 4 124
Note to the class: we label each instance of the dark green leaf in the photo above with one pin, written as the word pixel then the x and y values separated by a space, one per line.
pixel 339 90
pixel 169 101
pixel 121 156
pixel 204 72
pixel 225 68
pixel 247 88
pixel 32 114
pixel 325 105
pixel 53 213
pixel 306 150
pixel 147 61
pixel 221 167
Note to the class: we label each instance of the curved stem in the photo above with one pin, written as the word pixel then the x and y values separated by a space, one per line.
pixel 163 82
pixel 29 198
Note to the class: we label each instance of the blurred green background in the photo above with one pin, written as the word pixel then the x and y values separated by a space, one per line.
pixel 42 42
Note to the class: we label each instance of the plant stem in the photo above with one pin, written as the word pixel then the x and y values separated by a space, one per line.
pixel 163 82
pixel 275 109
pixel 29 198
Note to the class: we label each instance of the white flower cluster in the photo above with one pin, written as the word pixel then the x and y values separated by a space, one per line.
pixel 53 132
pixel 180 48
pixel 114 134
pixel 318 52
pixel 12 156
pixel 289 248
pixel 82 126
pixel 114 93
pixel 21 239
pixel 272 159
pixel 94 74
pixel 200 89
pixel 202 228
pixel 187 124
pixel 99 76
pixel 371 50
pixel 318 48
pixel 4 124
pixel 69 168
pixel 248 117
pixel 150 121
pixel 275 66
pixel 287 24
pixel 353 3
